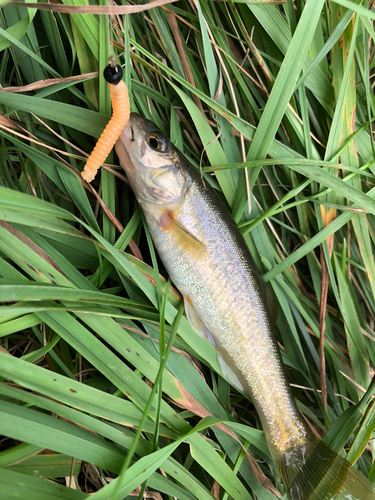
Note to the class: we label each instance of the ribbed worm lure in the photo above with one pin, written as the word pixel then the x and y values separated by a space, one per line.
pixel 120 117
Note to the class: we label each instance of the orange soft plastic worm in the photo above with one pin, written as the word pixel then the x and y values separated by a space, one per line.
pixel 120 117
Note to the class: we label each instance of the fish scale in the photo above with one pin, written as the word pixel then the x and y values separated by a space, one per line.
pixel 226 296
pixel 208 260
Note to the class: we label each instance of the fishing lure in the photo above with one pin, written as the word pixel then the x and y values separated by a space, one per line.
pixel 120 117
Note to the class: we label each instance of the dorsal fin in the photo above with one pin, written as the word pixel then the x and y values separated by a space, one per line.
pixel 271 303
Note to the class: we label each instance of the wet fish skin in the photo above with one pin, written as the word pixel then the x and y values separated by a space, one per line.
pixel 209 262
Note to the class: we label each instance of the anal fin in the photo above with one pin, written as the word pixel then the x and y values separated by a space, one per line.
pixel 228 373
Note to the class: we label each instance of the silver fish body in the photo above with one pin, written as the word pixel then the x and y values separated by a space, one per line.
pixel 209 262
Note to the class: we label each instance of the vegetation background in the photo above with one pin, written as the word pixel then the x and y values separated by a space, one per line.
pixel 274 101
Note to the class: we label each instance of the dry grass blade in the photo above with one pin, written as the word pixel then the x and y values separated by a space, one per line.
pixel 47 83
pixel 184 61
pixel 92 9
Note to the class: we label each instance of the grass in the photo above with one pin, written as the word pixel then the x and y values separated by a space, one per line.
pixel 105 389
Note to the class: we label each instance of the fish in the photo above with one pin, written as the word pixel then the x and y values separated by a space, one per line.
pixel 225 301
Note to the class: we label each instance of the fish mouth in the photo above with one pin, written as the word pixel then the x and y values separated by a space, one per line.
pixel 128 134
pixel 125 142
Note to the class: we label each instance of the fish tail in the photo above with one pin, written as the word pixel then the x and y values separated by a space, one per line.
pixel 314 472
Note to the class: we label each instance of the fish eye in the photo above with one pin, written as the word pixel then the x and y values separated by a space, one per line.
pixel 157 142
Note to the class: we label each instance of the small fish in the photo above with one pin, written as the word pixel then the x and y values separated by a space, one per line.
pixel 225 301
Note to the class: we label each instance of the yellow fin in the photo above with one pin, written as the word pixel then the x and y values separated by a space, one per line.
pixel 185 239
pixel 314 472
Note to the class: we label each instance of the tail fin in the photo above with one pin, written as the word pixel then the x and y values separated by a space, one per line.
pixel 319 474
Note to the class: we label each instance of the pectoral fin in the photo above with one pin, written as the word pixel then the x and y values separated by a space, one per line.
pixel 185 239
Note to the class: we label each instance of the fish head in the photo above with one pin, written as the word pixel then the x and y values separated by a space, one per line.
pixel 152 164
